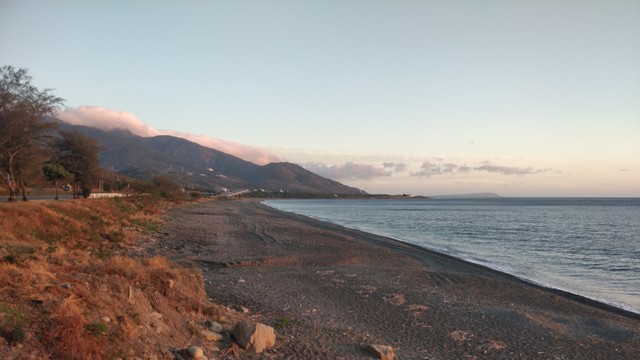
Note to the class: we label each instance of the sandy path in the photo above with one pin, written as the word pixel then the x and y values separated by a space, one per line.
pixel 340 289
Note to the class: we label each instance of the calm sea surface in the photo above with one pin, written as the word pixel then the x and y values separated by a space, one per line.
pixel 589 247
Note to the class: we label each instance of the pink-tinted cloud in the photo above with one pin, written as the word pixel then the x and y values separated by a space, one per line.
pixel 349 170
pixel 107 119
pixel 253 154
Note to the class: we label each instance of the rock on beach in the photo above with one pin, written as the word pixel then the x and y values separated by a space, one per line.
pixel 195 352
pixel 254 337
pixel 385 352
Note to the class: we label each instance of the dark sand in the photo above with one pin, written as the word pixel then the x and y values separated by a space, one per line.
pixel 340 289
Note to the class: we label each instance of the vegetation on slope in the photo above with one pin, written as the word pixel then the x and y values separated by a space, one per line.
pixel 75 285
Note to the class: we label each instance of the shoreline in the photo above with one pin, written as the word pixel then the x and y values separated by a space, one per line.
pixel 431 252
pixel 600 303
pixel 331 290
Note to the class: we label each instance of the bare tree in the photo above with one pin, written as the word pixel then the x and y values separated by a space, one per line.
pixel 22 125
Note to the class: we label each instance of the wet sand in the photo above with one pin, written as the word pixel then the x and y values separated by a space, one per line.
pixel 330 291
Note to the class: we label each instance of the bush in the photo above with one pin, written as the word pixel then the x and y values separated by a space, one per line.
pixel 96 328
pixel 12 324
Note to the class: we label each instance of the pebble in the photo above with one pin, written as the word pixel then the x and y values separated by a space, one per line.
pixel 195 352
pixel 105 319
pixel 210 335
pixel 156 315
pixel 213 326
pixel 385 352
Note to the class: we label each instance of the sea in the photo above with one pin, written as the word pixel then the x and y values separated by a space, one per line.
pixel 585 246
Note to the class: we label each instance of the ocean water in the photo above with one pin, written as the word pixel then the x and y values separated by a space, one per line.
pixel 586 246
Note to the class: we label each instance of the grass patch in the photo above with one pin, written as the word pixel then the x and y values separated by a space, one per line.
pixel 284 322
pixel 17 253
pixel 96 328
pixel 115 236
pixel 12 324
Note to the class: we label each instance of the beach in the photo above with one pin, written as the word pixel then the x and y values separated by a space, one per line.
pixel 330 291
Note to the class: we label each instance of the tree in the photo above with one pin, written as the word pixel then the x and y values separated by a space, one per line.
pixel 55 173
pixel 165 185
pixel 27 168
pixel 23 130
pixel 78 154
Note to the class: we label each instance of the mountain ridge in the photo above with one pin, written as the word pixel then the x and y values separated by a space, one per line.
pixel 196 166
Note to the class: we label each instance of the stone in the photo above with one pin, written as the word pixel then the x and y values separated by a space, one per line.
pixel 195 352
pixel 385 352
pixel 210 335
pixel 170 283
pixel 105 319
pixel 156 315
pixel 213 326
pixel 254 337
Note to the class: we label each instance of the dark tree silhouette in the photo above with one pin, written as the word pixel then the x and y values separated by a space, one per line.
pixel 78 154
pixel 23 130
pixel 55 173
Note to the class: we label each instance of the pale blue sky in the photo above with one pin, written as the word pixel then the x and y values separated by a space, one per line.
pixel 515 97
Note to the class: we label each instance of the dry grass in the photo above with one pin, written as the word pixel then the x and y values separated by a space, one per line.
pixel 69 290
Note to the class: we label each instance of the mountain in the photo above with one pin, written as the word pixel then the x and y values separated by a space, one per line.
pixel 193 165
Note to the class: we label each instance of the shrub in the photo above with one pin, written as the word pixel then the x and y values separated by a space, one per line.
pixel 96 328
pixel 12 323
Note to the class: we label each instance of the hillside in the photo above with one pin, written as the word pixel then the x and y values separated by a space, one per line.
pixel 193 165
pixel 76 283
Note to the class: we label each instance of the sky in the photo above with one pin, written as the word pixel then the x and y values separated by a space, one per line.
pixel 520 98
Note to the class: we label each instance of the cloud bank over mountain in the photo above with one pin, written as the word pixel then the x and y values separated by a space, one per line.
pixel 368 170
pixel 107 119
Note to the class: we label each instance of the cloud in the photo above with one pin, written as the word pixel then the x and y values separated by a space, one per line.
pixel 107 119
pixel 507 170
pixel 397 167
pixel 429 169
pixel 349 170
pixel 449 168
pixel 253 154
